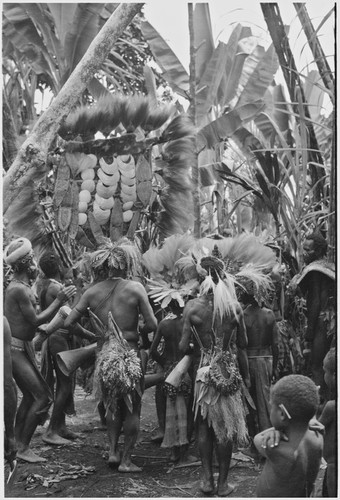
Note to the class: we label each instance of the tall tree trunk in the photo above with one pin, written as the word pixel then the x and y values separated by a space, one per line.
pixel 316 49
pixel 195 171
pixel 30 162
pixel 278 34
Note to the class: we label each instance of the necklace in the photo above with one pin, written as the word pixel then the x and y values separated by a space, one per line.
pixel 20 281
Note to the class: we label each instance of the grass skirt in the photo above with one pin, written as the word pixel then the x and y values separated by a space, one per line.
pixel 225 414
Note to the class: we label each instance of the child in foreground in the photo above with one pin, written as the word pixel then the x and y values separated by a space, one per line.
pixel 291 467
pixel 328 419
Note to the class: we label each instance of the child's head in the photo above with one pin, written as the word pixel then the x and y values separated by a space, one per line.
pixel 294 399
pixel 329 368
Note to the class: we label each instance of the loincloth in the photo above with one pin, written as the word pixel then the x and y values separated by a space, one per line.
pixel 25 346
pixel 219 401
pixel 176 422
pixel 260 371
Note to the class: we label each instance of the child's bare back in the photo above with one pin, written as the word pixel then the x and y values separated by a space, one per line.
pixel 289 471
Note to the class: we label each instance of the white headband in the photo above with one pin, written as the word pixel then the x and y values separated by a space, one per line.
pixel 19 253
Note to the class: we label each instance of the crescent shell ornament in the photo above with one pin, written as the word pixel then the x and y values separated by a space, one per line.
pixel 108 180
pixel 104 203
pixel 101 216
pixel 109 168
pixel 104 191
pixel 128 181
pixel 127 206
pixel 128 189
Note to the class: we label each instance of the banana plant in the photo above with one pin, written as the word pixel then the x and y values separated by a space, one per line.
pixel 231 82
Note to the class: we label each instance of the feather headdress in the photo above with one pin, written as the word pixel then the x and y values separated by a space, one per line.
pixel 122 254
pixel 164 284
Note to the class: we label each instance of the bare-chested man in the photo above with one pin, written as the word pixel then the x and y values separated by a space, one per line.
pixel 263 351
pixel 61 340
pixel 215 333
pixel 125 299
pixel 10 396
pixel 177 415
pixel 20 310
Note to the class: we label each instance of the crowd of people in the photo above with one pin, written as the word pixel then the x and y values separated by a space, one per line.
pixel 199 321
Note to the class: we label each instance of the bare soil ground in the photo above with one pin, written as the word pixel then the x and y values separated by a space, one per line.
pixel 81 470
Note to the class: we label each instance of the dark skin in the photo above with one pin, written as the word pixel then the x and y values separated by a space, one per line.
pixel 127 302
pixel 10 396
pixel 199 313
pixel 20 310
pixel 170 330
pixel 293 459
pixel 57 433
pixel 262 333
pixel 318 289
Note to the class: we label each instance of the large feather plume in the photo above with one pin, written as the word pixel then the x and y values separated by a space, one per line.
pixel 122 254
pixel 158 260
pixel 176 199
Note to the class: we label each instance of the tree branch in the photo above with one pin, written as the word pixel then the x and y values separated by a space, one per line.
pixel 30 162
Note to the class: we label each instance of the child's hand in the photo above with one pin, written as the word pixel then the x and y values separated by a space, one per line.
pixel 272 437
pixel 316 426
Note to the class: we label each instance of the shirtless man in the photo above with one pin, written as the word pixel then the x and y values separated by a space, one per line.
pixel 262 351
pixel 317 282
pixel 125 299
pixel 211 332
pixel 170 330
pixel 10 396
pixel 20 310
pixel 61 340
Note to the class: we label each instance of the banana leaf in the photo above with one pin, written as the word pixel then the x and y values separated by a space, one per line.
pixel 225 126
pixel 172 68
pixel 203 38
pixel 262 76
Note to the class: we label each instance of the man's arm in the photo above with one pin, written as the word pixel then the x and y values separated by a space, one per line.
pixel 78 311
pixel 186 330
pixel 10 395
pixel 328 413
pixel 155 343
pixel 275 347
pixel 145 308
pixel 241 333
pixel 313 304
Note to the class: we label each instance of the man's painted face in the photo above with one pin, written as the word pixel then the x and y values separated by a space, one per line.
pixel 309 253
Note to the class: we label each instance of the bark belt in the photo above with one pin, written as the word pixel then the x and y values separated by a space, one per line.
pixel 265 351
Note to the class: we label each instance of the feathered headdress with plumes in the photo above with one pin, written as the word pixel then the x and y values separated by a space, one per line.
pixel 240 263
pixel 122 254
pixel 165 283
